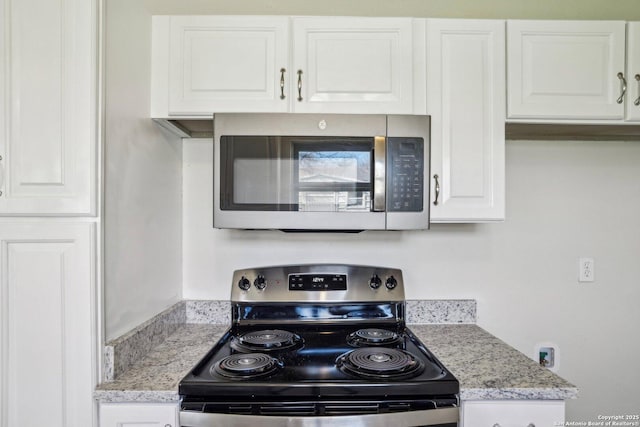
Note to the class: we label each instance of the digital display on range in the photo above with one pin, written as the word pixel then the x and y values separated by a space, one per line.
pixel 317 282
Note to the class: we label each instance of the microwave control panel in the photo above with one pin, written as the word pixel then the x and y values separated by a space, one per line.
pixel 405 174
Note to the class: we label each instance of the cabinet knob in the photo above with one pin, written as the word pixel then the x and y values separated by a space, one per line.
pixel 636 102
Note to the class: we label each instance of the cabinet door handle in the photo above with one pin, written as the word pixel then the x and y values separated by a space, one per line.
pixel 299 85
pixel 437 188
pixel 282 71
pixel 637 101
pixel 623 88
pixel 1 174
pixel 530 425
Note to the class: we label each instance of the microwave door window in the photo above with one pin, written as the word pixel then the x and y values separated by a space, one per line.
pixel 333 176
pixel 254 176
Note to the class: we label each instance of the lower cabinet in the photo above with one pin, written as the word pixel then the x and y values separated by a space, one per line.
pixel 47 338
pixel 512 413
pixel 485 413
pixel 138 415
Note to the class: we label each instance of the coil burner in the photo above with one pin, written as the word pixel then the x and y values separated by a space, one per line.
pixel 380 363
pixel 246 366
pixel 373 337
pixel 267 340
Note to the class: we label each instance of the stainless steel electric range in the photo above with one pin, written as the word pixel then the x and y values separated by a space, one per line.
pixel 319 345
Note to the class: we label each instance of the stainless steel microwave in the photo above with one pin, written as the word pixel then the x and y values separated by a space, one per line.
pixel 321 171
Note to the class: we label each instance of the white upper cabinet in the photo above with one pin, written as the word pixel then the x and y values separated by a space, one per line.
pixel 48 110
pixel 353 65
pixel 207 64
pixel 633 71
pixel 466 101
pixel 566 70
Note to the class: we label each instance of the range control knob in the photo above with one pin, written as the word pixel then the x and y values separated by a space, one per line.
pixel 260 282
pixel 244 283
pixel 375 281
pixel 391 282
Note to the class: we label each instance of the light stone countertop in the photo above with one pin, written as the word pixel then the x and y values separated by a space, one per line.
pixel 155 378
pixel 486 367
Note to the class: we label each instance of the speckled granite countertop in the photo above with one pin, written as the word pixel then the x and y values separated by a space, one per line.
pixel 155 378
pixel 486 367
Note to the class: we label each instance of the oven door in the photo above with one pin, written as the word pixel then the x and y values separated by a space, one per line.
pixel 441 417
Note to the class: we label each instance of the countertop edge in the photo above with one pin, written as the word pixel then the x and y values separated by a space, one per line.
pixel 467 394
pixel 136 396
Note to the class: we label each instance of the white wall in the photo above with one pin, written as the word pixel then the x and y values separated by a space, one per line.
pixel 564 200
pixel 143 182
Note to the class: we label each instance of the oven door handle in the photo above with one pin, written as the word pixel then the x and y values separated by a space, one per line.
pixel 428 417
pixel 379 173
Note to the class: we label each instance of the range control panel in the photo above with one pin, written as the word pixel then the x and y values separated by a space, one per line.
pixel 317 283
pixel 405 174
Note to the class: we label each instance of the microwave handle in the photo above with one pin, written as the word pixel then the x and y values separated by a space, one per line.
pixel 379 171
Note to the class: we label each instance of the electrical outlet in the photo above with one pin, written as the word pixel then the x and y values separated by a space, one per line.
pixel 547 354
pixel 586 270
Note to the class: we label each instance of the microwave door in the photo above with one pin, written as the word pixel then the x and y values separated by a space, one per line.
pixel 296 183
pixel 286 171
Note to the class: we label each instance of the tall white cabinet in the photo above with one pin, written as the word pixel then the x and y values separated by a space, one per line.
pixel 49 228
pixel 633 71
pixel 47 119
pixel 465 98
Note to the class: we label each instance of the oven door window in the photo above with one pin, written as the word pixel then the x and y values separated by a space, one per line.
pixel 309 174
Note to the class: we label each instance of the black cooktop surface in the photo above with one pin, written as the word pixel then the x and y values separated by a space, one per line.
pixel 318 361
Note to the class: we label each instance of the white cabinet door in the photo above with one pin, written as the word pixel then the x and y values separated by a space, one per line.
pixel 48 108
pixel 138 415
pixel 47 300
pixel 565 69
pixel 465 98
pixel 633 71
pixel 514 413
pixel 218 63
pixel 241 64
pixel 352 65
